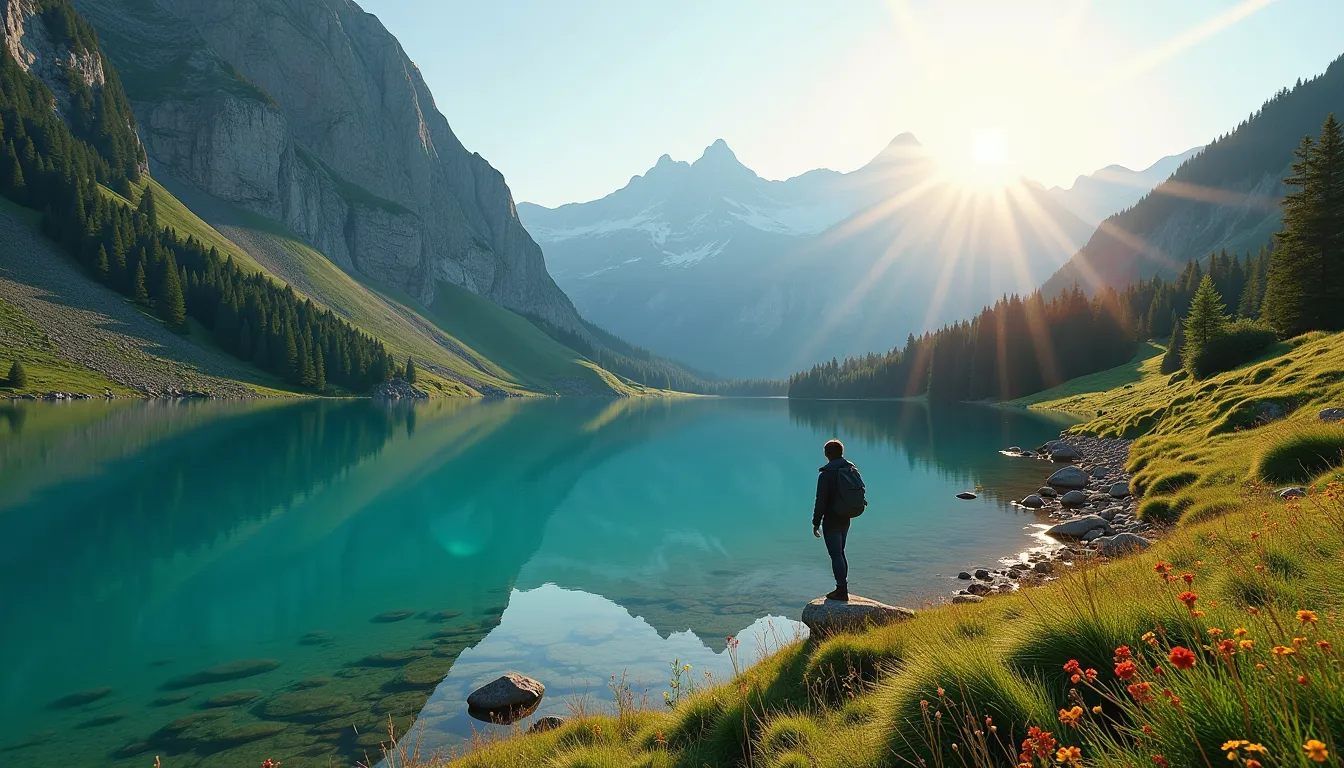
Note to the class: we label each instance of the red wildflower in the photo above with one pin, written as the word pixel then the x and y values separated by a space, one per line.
pixel 1072 667
pixel 1122 653
pixel 1160 761
pixel 1227 647
pixel 1188 577
pixel 1157 670
pixel 1188 598
pixel 1140 692
pixel 1125 670
pixel 1161 567
pixel 1181 658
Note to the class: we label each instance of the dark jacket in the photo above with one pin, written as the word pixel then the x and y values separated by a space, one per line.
pixel 828 488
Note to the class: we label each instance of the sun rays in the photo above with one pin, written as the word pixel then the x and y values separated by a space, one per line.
pixel 968 219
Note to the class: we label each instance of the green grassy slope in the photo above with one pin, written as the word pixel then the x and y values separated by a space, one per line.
pixel 960 685
pixel 470 345
pixel 1070 394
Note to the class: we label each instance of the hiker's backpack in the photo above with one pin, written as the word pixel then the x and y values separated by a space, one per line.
pixel 849 492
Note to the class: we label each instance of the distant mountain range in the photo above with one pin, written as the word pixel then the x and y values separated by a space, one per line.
pixel 1098 195
pixel 744 276
pixel 1225 196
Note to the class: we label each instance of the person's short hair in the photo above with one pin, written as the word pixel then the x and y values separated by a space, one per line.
pixel 834 449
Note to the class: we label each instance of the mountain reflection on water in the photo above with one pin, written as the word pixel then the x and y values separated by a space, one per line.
pixel 226 582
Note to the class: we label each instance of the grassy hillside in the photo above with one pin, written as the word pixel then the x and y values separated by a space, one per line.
pixel 471 346
pixel 1232 622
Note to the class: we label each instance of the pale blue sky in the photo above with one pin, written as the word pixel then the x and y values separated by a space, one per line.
pixel 571 98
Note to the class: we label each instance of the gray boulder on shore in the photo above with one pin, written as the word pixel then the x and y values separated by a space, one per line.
pixel 1077 527
pixel 1071 478
pixel 547 723
pixel 1073 499
pixel 1120 544
pixel 962 599
pixel 1033 501
pixel 824 616
pixel 1120 490
pixel 1064 452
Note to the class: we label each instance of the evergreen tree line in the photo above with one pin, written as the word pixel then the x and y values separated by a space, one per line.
pixel 45 165
pixel 1156 304
pixel 1014 348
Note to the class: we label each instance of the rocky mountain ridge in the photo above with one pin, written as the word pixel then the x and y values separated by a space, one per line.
pixel 1096 196
pixel 709 263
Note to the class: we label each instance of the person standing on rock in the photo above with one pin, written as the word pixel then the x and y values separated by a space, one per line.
pixel 840 498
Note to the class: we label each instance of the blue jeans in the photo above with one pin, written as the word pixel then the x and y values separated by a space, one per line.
pixel 835 547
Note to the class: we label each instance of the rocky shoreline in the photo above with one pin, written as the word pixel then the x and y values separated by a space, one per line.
pixel 1087 498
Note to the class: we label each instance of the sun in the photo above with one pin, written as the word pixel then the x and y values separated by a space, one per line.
pixel 981 160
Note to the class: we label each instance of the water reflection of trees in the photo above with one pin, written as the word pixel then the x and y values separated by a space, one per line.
pixel 958 441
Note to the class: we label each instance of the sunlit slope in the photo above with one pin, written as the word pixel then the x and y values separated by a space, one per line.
pixel 469 345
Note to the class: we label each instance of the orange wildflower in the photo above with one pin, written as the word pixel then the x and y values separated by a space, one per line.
pixel 1188 598
pixel 1125 670
pixel 1316 751
pixel 1306 617
pixel 1071 716
pixel 1181 658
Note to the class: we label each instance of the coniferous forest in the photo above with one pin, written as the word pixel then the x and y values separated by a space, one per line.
pixel 1238 304
pixel 64 171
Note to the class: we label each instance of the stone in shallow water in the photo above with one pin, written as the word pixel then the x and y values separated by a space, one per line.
pixel 390 616
pixel 391 658
pixel 506 699
pixel 966 496
pixel 168 699
pixel 406 703
pixel 316 638
pixel 101 720
pixel 233 670
pixel 822 616
pixel 312 682
pixel 80 699
pixel 232 698
pixel 248 733
pixel 309 706
pixel 423 673
pixel 132 749
pixel 443 616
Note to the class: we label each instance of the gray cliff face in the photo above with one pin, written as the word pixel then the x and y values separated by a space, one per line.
pixel 341 141
pixel 38 52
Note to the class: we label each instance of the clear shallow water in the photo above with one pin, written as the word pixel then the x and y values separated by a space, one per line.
pixel 346 562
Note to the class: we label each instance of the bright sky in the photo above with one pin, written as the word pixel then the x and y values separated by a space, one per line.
pixel 570 99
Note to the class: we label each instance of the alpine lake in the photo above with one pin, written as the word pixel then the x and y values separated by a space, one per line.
pixel 218 583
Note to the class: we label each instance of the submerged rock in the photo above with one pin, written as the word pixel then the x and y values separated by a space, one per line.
pixel 233 670
pixel 390 616
pixel 506 699
pixel 80 699
pixel 310 706
pixel 232 698
pixel 823 616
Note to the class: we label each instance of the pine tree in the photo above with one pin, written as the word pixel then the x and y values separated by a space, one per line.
pixel 410 370
pixel 101 269
pixel 18 377
pixel 1302 292
pixel 171 305
pixel 1207 319
pixel 149 208
pixel 320 368
pixel 293 370
pixel 1172 360
pixel 140 292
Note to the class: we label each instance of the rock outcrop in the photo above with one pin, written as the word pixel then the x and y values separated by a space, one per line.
pixel 310 113
pixel 823 616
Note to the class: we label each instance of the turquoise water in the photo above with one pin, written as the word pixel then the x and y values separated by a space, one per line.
pixel 219 583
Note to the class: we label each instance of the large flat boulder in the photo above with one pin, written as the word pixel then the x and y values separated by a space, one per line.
pixel 1069 478
pixel 506 699
pixel 823 616
pixel 1078 527
pixel 1332 414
